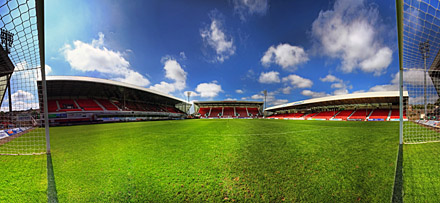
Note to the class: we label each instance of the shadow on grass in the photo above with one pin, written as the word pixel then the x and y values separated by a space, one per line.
pixel 398 179
pixel 51 187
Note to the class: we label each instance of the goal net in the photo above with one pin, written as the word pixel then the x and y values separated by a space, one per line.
pixel 21 125
pixel 421 71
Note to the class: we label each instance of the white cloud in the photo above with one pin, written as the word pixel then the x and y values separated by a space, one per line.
pixel 270 98
pixel 209 90
pixel 173 71
pixel 48 69
pixel 312 94
pixel 164 87
pixel 341 91
pixel 239 91
pixel 286 90
pixel 249 7
pixel 21 106
pixel 133 77
pixel 377 62
pixel 285 55
pixel 230 99
pixel 21 95
pixel 338 84
pixel 214 36
pixel 380 88
pixel 257 96
pixel 351 32
pixel 269 77
pixel 91 57
pixel 278 102
pixel 330 78
pixel 297 81
pixel 193 94
pixel 412 78
pixel 21 100
pixel 430 98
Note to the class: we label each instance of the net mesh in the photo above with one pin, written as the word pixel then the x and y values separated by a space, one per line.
pixel 21 128
pixel 421 78
pixel 421 75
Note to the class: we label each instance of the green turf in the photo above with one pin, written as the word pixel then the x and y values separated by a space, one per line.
pixel 421 170
pixel 23 178
pixel 218 160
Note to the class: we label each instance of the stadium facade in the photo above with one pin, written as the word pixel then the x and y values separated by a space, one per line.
pixel 369 106
pixel 228 109
pixel 79 100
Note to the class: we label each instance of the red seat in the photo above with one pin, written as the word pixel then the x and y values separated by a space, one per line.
pixel 204 111
pixel 215 111
pixel 253 111
pixel 107 105
pixel 380 114
pixel 88 105
pixel 68 105
pixel 360 114
pixel 395 114
pixel 228 112
pixel 310 115
pixel 344 114
pixel 325 114
pixel 241 111
pixel 52 105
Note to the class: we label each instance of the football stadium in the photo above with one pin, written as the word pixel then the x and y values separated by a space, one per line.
pixel 74 137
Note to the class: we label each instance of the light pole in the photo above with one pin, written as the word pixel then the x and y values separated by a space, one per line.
pixel 7 38
pixel 188 94
pixel 265 96
pixel 424 50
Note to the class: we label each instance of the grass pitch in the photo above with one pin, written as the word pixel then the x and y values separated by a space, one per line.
pixel 226 160
pixel 421 172
pixel 23 178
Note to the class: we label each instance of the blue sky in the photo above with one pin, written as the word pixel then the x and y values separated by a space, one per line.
pixel 229 49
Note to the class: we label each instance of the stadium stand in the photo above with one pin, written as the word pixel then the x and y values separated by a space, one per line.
pixel 310 115
pixel 78 100
pixel 325 115
pixel 395 114
pixel 108 105
pixel 297 115
pixel 253 111
pixel 132 106
pixel 347 103
pixel 380 114
pixel 228 112
pixel 242 112
pixel 227 109
pixel 204 112
pixel 344 114
pixel 215 112
pixel 287 115
pixel 52 105
pixel 172 109
pixel 360 114
pixel 88 105
pixel 68 105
